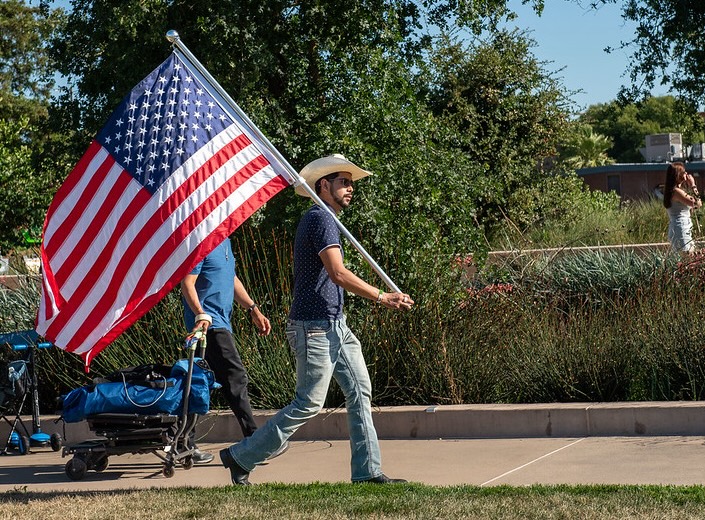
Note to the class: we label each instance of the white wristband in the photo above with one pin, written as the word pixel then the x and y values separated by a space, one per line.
pixel 204 317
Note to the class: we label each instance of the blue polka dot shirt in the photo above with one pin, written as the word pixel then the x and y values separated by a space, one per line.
pixel 316 297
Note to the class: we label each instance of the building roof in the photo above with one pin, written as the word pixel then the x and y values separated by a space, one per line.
pixel 696 166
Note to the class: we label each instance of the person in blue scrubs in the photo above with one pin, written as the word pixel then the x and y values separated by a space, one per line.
pixel 208 293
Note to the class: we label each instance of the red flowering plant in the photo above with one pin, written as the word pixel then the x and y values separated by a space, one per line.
pixel 490 290
pixel 692 268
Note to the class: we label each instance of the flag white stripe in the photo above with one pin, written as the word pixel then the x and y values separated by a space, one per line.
pixel 49 295
pixel 102 283
pixel 64 210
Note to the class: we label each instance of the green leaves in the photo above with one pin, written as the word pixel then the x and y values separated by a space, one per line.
pixel 583 148
pixel 627 124
pixel 667 47
pixel 450 130
pixel 22 202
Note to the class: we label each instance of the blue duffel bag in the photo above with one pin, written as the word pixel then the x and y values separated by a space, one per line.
pixel 161 395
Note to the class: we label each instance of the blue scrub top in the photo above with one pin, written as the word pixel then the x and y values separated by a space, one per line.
pixel 215 287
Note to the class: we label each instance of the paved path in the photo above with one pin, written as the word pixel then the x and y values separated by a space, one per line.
pixel 482 445
pixel 678 460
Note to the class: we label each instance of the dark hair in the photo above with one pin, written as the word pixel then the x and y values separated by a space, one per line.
pixel 328 177
pixel 671 177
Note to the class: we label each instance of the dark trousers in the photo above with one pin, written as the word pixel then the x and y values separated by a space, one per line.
pixel 225 362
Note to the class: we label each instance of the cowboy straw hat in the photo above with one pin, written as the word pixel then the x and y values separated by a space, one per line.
pixel 326 165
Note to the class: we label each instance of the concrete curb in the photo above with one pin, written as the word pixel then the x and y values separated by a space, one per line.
pixel 462 422
pixel 495 421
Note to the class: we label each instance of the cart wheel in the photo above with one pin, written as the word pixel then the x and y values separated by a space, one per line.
pixel 56 441
pixel 101 464
pixel 168 471
pixel 76 468
pixel 23 444
pixel 188 462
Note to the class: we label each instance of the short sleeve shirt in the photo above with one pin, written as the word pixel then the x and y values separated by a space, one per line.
pixel 316 297
pixel 215 287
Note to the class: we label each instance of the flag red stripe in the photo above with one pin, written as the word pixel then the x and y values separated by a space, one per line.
pixel 49 287
pixel 64 229
pixel 219 234
pixel 158 257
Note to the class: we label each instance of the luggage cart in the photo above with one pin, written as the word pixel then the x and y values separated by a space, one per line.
pixel 166 435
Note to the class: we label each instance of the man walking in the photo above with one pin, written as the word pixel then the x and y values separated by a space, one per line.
pixel 325 347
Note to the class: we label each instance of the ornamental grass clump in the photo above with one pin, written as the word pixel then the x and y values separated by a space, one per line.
pixel 582 326
pixel 579 277
pixel 605 327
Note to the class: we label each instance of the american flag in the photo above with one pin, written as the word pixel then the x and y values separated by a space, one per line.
pixel 170 176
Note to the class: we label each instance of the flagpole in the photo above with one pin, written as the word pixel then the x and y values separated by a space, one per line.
pixel 173 37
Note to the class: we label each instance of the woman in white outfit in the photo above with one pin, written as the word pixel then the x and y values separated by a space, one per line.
pixel 680 195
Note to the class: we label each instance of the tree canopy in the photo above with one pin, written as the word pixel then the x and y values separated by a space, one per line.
pixel 365 79
pixel 26 72
pixel 584 148
pixel 26 82
pixel 668 47
pixel 627 124
pixel 504 112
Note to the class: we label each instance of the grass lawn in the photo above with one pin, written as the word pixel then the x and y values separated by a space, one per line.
pixel 347 501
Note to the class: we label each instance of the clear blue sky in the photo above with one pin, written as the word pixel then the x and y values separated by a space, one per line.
pixel 573 38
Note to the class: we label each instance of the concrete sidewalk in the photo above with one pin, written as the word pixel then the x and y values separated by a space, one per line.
pixel 485 445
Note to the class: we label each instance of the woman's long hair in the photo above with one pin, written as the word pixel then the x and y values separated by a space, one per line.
pixel 671 177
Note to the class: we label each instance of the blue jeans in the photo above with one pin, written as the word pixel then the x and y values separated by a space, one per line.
pixel 324 349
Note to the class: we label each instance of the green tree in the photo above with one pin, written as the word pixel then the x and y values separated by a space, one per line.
pixel 583 148
pixel 504 112
pixel 668 46
pixel 26 81
pixel 26 73
pixel 317 78
pixel 553 205
pixel 22 203
pixel 274 57
pixel 627 124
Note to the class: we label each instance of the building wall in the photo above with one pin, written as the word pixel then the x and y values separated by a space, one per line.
pixel 636 181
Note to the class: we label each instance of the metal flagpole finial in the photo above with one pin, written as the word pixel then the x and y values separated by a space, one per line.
pixel 172 35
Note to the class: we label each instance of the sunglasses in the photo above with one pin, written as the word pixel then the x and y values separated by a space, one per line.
pixel 345 182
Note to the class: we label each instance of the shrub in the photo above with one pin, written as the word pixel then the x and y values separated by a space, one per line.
pixel 581 327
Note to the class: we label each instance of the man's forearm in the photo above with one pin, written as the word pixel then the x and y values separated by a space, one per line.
pixel 354 284
pixel 191 297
